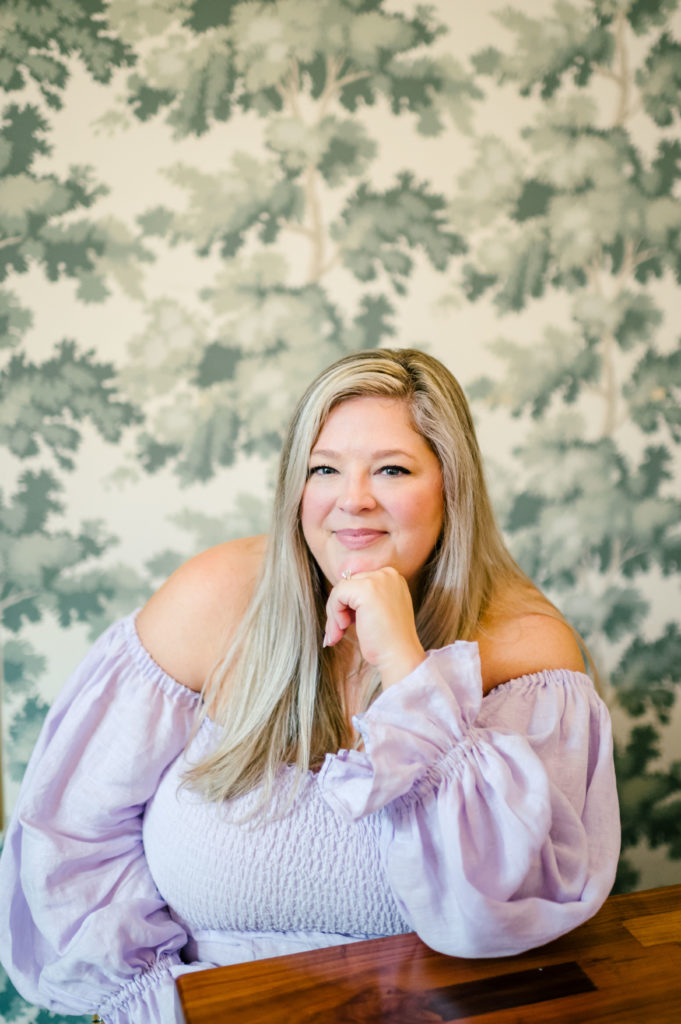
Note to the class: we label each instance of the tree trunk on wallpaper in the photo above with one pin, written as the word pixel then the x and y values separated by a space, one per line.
pixel 580 209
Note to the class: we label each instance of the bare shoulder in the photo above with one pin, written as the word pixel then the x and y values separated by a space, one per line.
pixel 518 645
pixel 187 624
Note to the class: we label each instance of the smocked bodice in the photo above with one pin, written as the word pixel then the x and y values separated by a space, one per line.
pixel 305 869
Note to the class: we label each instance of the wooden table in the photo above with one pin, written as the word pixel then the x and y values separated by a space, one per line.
pixel 623 966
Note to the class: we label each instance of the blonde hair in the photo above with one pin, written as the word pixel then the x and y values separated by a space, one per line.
pixel 285 704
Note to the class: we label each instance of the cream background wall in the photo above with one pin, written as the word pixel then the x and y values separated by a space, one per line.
pixel 282 182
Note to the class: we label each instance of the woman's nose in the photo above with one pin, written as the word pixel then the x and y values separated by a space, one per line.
pixel 356 494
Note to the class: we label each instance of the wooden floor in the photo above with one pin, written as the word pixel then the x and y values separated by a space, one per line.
pixel 623 967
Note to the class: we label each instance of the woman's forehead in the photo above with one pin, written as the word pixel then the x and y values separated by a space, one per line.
pixel 375 411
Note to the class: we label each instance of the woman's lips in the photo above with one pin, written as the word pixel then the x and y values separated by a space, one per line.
pixel 357 539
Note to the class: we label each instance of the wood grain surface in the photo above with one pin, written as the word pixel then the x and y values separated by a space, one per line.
pixel 622 967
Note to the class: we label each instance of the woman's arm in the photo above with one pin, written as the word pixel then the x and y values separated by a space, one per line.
pixel 82 924
pixel 500 815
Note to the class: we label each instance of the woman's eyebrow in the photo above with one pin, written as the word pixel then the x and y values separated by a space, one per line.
pixel 382 453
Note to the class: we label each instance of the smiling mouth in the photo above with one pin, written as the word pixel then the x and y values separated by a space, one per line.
pixel 356 539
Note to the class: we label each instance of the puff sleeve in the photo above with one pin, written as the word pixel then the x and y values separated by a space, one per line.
pixel 82 926
pixel 500 815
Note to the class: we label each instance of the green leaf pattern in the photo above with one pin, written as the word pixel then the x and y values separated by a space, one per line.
pixel 201 205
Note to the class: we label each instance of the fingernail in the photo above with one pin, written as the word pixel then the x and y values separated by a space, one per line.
pixel 325 641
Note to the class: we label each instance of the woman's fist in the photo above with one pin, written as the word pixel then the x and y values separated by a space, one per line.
pixel 379 603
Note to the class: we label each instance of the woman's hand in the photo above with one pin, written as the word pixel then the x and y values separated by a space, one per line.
pixel 380 605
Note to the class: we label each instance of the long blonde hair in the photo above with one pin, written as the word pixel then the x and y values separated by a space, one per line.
pixel 283 704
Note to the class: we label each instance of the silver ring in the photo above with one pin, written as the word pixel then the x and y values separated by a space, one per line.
pixel 346 574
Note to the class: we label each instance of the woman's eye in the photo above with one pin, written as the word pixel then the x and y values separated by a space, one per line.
pixel 320 471
pixel 394 471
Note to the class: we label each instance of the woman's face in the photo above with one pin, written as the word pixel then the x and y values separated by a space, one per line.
pixel 373 496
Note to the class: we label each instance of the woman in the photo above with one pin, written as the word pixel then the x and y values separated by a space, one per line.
pixel 336 782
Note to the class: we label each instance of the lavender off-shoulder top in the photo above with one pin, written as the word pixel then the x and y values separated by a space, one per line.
pixel 486 825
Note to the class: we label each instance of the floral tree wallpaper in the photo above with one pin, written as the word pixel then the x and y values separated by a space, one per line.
pixel 203 202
